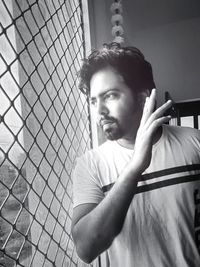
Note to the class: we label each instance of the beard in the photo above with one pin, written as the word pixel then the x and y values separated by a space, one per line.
pixel 113 134
pixel 111 128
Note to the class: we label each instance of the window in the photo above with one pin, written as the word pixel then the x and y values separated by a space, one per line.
pixel 44 125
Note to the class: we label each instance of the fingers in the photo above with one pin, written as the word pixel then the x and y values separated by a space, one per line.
pixel 150 116
pixel 158 113
pixel 162 109
pixel 156 124
pixel 148 106
pixel 152 101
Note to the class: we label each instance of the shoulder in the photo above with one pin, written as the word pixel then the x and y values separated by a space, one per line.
pixel 183 134
pixel 180 130
pixel 104 148
pixel 98 153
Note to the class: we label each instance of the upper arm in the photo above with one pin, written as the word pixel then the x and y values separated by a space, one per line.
pixel 86 185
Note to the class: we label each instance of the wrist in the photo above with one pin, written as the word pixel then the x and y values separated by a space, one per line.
pixel 133 171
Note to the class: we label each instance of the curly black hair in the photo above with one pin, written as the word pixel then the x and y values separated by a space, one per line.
pixel 129 62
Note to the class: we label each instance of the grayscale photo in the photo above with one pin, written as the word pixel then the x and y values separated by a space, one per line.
pixel 99 133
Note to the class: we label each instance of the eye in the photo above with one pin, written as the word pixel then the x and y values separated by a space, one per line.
pixel 111 96
pixel 93 102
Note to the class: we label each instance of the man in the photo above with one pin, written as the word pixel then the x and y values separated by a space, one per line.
pixel 137 195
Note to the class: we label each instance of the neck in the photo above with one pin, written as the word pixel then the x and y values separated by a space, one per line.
pixel 129 142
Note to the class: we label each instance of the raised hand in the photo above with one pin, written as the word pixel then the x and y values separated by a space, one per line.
pixel 150 123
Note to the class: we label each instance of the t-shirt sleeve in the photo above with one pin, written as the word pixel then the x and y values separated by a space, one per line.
pixel 86 185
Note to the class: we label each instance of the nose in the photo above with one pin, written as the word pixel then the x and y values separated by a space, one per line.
pixel 102 109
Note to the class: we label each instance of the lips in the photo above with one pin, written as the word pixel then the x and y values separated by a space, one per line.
pixel 106 122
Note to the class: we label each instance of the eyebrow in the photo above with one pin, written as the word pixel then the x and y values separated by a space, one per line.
pixel 104 93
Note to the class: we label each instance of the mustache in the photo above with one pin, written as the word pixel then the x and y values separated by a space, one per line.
pixel 106 119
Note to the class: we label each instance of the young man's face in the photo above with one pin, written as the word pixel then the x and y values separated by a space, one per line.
pixel 118 111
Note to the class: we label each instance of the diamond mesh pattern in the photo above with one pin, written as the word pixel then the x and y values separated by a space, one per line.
pixel 44 125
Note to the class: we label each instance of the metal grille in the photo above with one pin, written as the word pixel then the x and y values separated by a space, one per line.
pixel 44 125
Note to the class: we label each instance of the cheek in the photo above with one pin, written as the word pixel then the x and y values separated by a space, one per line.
pixel 128 108
pixel 123 113
pixel 123 109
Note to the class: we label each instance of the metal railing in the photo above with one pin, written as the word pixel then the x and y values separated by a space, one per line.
pixel 44 126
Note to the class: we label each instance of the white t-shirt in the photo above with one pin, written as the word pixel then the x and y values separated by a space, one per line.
pixel 162 226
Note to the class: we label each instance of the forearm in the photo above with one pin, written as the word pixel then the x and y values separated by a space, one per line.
pixel 95 232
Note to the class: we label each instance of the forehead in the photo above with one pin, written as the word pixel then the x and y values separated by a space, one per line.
pixel 106 79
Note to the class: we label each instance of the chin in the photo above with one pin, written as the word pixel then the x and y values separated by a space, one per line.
pixel 110 135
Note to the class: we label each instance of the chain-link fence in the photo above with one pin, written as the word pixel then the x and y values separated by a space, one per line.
pixel 44 125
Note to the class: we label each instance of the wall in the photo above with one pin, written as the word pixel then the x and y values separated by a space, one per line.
pixel 173 50
pixel 167 32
